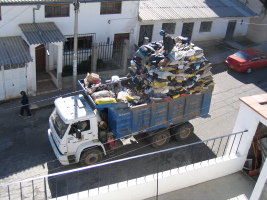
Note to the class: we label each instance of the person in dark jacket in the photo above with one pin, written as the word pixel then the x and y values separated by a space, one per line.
pixel 25 104
pixel 168 43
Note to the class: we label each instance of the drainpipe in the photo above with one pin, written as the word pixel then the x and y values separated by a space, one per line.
pixel 34 9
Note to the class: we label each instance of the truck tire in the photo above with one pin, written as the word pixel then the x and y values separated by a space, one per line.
pixel 182 132
pixel 91 157
pixel 159 138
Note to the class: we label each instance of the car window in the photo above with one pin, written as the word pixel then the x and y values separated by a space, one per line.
pixel 242 55
pixel 255 58
pixel 262 56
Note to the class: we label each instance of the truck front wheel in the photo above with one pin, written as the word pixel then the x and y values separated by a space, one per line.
pixel 183 131
pixel 159 138
pixel 91 157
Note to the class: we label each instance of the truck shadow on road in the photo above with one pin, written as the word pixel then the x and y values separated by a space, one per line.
pixel 131 169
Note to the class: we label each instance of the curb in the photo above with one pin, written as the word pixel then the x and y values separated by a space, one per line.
pixel 35 107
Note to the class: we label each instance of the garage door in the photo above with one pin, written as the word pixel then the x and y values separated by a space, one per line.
pixel 13 80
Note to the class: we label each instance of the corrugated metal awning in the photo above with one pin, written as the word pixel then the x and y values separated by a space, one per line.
pixel 43 2
pixel 192 9
pixel 42 33
pixel 14 50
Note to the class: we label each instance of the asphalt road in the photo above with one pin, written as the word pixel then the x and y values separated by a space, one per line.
pixel 27 153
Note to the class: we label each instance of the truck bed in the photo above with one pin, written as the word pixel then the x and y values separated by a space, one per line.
pixel 125 121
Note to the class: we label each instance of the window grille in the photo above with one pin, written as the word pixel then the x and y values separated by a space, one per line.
pixel 205 27
pixel 14 66
pixel 113 7
pixel 57 10
pixel 169 27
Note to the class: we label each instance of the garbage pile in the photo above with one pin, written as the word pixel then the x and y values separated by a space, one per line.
pixel 154 77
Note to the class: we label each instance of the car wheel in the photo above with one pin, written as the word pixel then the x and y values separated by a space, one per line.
pixel 249 70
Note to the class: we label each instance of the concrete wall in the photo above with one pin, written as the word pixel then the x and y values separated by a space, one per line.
pixel 146 187
pixel 257 26
pixel 254 5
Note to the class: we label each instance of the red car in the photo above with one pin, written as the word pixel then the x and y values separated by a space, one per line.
pixel 247 60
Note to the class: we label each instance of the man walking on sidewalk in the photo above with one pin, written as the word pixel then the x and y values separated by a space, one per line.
pixel 25 104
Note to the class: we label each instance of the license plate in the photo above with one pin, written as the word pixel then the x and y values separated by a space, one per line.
pixel 231 67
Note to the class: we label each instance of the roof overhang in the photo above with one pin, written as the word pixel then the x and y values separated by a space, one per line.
pixel 42 33
pixel 198 9
pixel 14 50
pixel 45 2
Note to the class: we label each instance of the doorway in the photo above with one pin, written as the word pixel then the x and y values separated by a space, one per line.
pixel 118 47
pixel 145 31
pixel 44 81
pixel 40 58
pixel 230 30
pixel 187 30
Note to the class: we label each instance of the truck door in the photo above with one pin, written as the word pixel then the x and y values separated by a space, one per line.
pixel 79 133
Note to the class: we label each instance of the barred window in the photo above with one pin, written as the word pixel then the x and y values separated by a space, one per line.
pixel 169 27
pixel 57 10
pixel 84 42
pixel 205 27
pixel 113 7
pixel 15 66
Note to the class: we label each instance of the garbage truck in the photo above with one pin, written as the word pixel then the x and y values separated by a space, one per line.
pixel 82 131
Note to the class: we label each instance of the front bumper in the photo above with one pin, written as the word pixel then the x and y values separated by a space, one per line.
pixel 63 159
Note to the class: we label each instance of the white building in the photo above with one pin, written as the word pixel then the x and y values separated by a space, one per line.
pixel 44 30
pixel 198 20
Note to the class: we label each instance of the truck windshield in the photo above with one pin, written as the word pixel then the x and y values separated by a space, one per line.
pixel 59 125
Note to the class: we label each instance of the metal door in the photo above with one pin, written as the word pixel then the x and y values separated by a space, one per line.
pixel 187 30
pixel 230 30
pixel 40 58
pixel 145 31
pixel 15 81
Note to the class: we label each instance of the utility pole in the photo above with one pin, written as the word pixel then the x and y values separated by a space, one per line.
pixel 75 48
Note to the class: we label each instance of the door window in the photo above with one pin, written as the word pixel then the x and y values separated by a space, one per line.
pixel 80 126
pixel 255 58
pixel 262 56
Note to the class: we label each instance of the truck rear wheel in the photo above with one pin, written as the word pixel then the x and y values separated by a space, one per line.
pixel 159 138
pixel 183 131
pixel 91 157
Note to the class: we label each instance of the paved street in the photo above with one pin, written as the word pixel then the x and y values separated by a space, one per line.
pixel 26 151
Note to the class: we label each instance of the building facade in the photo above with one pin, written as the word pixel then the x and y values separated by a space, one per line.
pixel 44 31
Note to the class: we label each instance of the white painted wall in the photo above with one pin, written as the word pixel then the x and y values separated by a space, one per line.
pixel 257 29
pixel 257 26
pixel 168 181
pixel 89 20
